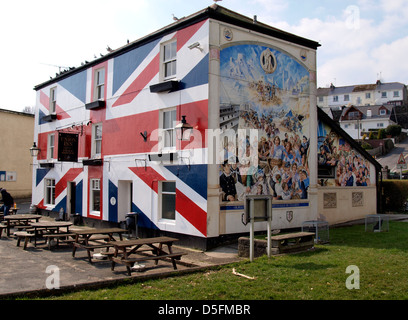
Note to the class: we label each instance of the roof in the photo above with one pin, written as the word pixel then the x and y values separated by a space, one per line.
pixel 374 111
pixel 359 88
pixel 17 113
pixel 215 12
pixel 353 143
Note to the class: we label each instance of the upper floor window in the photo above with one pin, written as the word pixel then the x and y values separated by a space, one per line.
pixel 346 97
pixel 50 146
pixel 97 140
pixel 335 98
pixel 368 95
pixel 396 93
pixel 53 100
pixel 169 59
pixel 384 94
pixel 169 118
pixel 99 89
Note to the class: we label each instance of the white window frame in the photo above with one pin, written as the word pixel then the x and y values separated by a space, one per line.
pixel 94 186
pixel 161 199
pixel 49 192
pixel 383 112
pixel 50 145
pixel 384 94
pixel 96 141
pixel 335 98
pixel 368 95
pixel 168 59
pixel 167 132
pixel 396 94
pixel 53 100
pixel 99 86
pixel 346 97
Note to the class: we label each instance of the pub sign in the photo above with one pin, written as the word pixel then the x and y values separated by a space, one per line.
pixel 68 147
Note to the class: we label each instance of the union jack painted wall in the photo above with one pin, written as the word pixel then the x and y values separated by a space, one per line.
pixel 131 108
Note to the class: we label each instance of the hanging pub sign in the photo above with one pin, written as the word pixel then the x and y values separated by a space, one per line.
pixel 68 147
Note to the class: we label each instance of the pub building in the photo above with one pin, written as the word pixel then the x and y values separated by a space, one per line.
pixel 180 125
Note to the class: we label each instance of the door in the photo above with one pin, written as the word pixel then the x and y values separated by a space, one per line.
pixel 125 195
pixel 71 197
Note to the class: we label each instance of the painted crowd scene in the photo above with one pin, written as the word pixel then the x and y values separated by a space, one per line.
pixel 271 89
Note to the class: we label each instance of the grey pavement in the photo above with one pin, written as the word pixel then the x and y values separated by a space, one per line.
pixel 35 270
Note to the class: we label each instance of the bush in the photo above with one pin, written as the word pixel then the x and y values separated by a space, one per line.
pixel 393 130
pixel 371 135
pixel 381 134
pixel 395 194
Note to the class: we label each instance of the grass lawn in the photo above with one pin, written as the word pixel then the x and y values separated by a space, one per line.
pixel 382 259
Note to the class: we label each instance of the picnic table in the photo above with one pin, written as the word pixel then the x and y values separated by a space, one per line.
pixel 124 249
pixel 90 239
pixel 51 230
pixel 20 220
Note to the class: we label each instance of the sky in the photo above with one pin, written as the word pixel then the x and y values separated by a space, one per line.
pixel 361 40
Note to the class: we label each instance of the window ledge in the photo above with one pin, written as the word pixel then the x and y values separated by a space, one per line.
pixel 95 105
pixel 166 86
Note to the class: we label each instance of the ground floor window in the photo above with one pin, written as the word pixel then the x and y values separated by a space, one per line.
pixel 49 197
pixel 95 195
pixel 168 200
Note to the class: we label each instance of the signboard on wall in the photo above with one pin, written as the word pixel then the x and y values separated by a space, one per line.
pixel 68 147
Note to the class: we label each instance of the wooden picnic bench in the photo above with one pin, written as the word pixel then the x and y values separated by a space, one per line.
pixel 90 239
pixel 20 235
pixel 292 242
pixel 123 250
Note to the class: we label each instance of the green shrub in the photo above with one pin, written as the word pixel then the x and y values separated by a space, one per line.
pixel 395 194
pixel 393 130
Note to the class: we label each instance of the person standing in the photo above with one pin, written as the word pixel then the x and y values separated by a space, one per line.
pixel 7 200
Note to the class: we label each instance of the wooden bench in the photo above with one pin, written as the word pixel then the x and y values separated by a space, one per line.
pixel 63 236
pixel 23 234
pixel 129 262
pixel 293 242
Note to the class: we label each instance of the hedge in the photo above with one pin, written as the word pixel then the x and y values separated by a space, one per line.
pixel 394 194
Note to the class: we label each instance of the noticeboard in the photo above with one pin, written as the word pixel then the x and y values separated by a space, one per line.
pixel 258 207
pixel 68 147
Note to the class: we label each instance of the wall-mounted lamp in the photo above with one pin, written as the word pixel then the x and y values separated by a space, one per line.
pixel 195 45
pixel 34 150
pixel 144 135
pixel 183 130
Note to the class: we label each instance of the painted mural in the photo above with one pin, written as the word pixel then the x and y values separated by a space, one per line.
pixel 265 105
pixel 345 166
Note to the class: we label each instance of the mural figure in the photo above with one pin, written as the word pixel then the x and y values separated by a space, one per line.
pixel 271 89
pixel 350 168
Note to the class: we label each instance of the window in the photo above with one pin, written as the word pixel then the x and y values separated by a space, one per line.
pixel 320 99
pixel 95 195
pixel 383 112
pixel 99 90
pixel 396 94
pixel 50 146
pixel 384 94
pixel 368 95
pixel 169 56
pixel 346 97
pixel 168 200
pixel 97 140
pixel 380 125
pixel 53 100
pixel 169 134
pixel 335 98
pixel 49 197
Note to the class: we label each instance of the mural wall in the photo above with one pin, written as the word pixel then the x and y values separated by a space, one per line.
pixel 264 119
pixel 341 165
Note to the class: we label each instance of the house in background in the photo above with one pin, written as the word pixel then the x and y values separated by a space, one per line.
pixel 16 138
pixel 362 95
pixel 108 145
pixel 357 120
